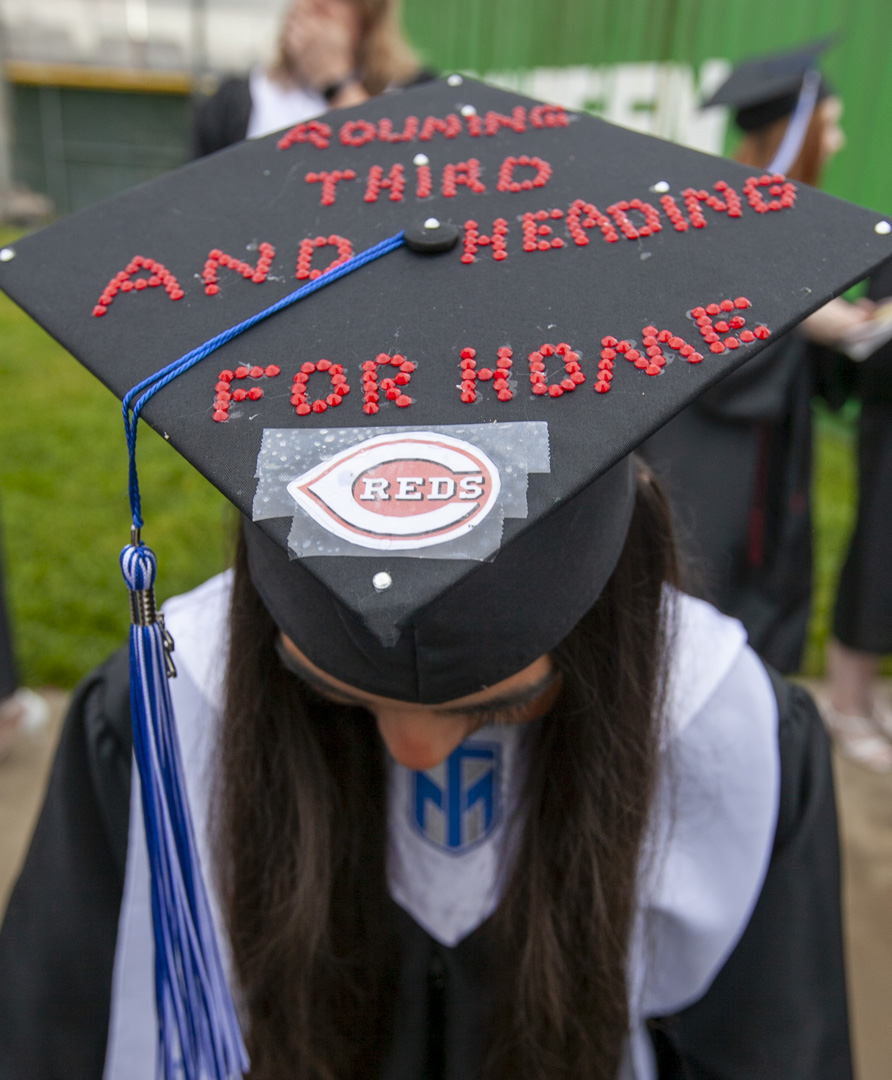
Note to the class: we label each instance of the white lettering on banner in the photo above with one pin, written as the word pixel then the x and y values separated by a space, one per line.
pixel 409 487
pixel 442 487
pixel 655 98
pixel 374 488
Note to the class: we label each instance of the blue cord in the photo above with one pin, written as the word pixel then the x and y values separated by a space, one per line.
pixel 199 1036
pixel 144 391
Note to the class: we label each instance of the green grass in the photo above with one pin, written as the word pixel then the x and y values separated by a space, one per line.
pixel 834 497
pixel 63 502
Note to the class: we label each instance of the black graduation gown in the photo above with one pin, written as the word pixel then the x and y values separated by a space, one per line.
pixel 862 617
pixel 776 1011
pixel 736 466
pixel 221 119
pixel 9 679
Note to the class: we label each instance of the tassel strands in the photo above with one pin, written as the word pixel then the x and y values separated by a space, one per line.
pixel 198 1030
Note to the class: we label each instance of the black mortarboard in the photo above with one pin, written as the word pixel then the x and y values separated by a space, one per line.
pixel 764 89
pixel 571 232
pixel 430 445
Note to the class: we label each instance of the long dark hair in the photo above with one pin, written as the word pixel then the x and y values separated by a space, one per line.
pixel 303 840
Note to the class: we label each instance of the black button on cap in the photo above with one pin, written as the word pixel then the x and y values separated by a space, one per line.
pixel 430 236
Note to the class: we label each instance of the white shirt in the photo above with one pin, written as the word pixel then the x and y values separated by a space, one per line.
pixel 704 859
pixel 274 106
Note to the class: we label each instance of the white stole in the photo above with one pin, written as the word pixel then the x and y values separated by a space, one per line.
pixel 704 861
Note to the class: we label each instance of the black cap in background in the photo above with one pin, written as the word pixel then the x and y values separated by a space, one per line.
pixel 765 89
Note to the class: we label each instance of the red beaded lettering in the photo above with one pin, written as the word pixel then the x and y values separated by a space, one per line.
pixel 225 394
pixel 474 123
pixel 716 319
pixel 778 185
pixel 539 237
pixel 357 133
pixel 307 248
pixel 423 182
pixel 573 376
pixel 450 127
pixel 653 341
pixel 619 213
pixel 395 182
pixel 676 217
pixel 610 347
pixel 123 282
pixel 257 273
pixel 474 239
pixel 315 132
pixel 464 172
pixel 498 376
pixel 392 387
pixel 339 387
pixel 506 181
pixel 329 182
pixel 386 134
pixel 517 121
pixel 583 215
pixel 729 205
pixel 548 116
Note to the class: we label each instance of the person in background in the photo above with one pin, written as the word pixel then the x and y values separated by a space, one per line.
pixel 21 710
pixel 862 619
pixel 737 463
pixel 331 54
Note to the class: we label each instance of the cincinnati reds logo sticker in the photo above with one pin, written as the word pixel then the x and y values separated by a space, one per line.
pixel 400 492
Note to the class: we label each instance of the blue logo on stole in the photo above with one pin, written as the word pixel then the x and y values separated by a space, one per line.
pixel 457 804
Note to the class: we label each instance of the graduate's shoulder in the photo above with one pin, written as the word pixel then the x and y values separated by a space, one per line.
pixel 101 701
pixel 709 663
pixel 719 686
pixel 804 753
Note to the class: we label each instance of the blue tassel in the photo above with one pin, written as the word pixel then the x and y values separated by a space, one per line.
pixel 199 1036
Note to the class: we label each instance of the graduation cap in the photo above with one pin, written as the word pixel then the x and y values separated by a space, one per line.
pixel 764 89
pixel 415 343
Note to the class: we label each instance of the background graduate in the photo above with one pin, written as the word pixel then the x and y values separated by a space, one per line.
pixel 477 790
pixel 743 508
pixel 862 619
pixel 330 54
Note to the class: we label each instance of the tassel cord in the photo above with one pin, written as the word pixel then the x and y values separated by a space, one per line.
pixel 199 1035
pixel 198 1030
pixel 136 398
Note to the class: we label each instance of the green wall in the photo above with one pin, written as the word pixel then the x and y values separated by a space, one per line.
pixel 502 35
pixel 79 145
